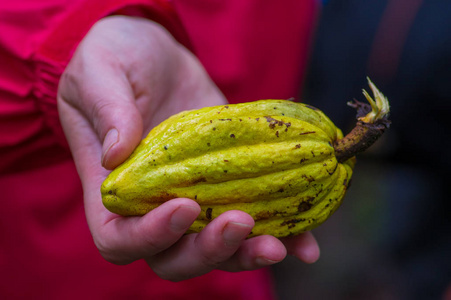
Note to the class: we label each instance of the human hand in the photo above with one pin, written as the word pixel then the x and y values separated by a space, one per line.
pixel 126 76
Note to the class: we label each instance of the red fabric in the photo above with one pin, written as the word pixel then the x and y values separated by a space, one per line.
pixel 252 49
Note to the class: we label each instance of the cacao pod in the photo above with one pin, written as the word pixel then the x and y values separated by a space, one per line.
pixel 274 159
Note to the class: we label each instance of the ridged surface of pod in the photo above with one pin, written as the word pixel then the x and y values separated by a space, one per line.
pixel 273 159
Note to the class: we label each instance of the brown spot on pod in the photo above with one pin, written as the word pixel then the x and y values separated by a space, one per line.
pixel 288 125
pixel 319 192
pixel 208 213
pixel 273 122
pixel 291 223
pixel 164 196
pixel 304 206
pixel 307 132
pixel 308 178
pixel 264 215
pixel 199 180
pixel 232 135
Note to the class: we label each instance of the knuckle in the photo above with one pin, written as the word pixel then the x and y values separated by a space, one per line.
pixel 152 246
pixel 212 259
pixel 151 242
pixel 101 106
pixel 100 110
pixel 212 252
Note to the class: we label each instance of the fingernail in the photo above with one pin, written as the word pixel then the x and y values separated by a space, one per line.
pixel 111 138
pixel 263 261
pixel 183 217
pixel 234 233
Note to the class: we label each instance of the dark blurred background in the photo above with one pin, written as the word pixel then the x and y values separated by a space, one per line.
pixel 391 239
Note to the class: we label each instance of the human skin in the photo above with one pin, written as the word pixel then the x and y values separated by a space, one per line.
pixel 126 76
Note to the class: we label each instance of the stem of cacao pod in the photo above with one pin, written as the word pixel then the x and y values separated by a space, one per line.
pixel 372 120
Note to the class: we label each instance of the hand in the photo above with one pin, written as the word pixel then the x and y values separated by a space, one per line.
pixel 126 76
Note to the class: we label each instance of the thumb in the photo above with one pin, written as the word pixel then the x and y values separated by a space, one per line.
pixel 116 120
pixel 120 124
pixel 106 100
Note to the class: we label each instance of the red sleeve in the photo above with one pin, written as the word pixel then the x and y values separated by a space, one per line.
pixel 54 53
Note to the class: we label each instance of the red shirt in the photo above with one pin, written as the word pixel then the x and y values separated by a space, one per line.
pixel 252 49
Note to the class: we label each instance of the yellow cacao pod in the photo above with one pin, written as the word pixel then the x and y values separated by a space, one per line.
pixel 273 159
